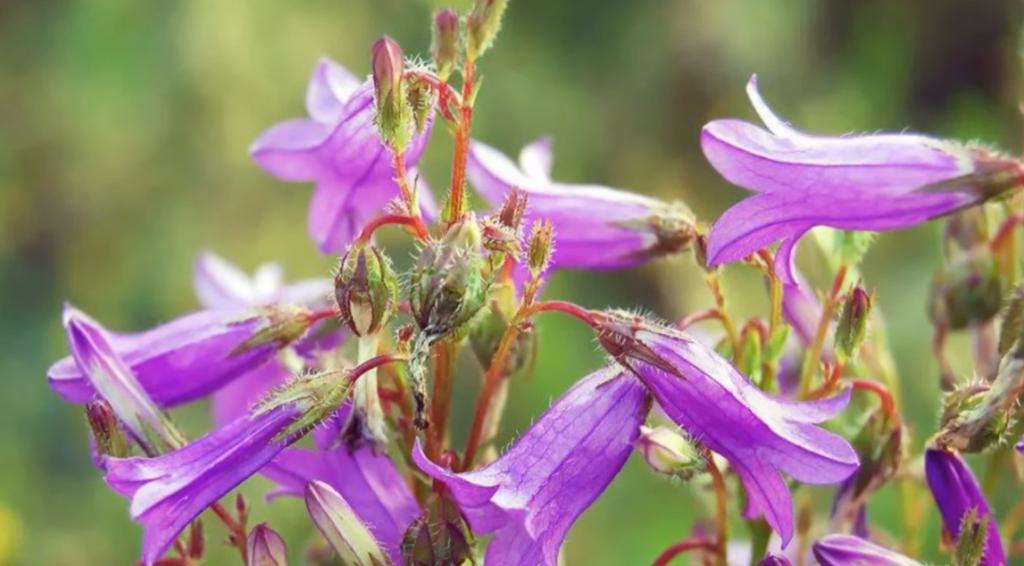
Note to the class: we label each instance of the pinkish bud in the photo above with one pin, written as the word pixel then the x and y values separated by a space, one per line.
pixel 483 25
pixel 446 41
pixel 394 117
pixel 266 548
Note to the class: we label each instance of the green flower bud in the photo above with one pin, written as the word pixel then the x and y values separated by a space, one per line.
pixel 365 289
pixel 670 453
pixel 483 25
pixel 1012 330
pixel 340 525
pixel 440 538
pixel 490 326
pixel 853 323
pixel 542 245
pixel 881 451
pixel 675 227
pixel 967 292
pixel 421 102
pixel 285 324
pixel 106 430
pixel 394 116
pixel 445 48
pixel 447 286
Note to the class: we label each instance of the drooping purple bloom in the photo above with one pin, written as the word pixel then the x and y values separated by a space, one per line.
pixel 114 382
pixel 221 285
pixel 848 550
pixel 368 481
pixel 872 182
pixel 532 494
pixel 596 227
pixel 339 149
pixel 169 491
pixel 178 361
pixel 758 434
pixel 956 492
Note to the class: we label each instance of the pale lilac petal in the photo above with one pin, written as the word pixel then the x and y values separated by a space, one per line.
pixel 286 150
pixel 848 550
pixel 759 435
pixel 167 492
pixel 330 86
pixel 537 158
pixel 533 493
pixel 179 361
pixel 308 292
pixel 956 492
pixel 220 284
pixel 369 482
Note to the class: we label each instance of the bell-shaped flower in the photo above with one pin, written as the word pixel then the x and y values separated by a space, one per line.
pixel 760 435
pixel 957 494
pixel 169 491
pixel 870 182
pixel 367 480
pixel 179 361
pixel 596 227
pixel 531 495
pixel 338 148
pixel 114 382
pixel 848 550
pixel 220 285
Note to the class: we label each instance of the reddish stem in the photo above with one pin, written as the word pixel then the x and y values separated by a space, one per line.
pixel 413 222
pixel 461 151
pixel 375 362
pixel 238 534
pixel 883 394
pixel 681 547
pixel 586 315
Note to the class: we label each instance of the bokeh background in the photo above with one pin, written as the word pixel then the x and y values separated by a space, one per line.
pixel 124 129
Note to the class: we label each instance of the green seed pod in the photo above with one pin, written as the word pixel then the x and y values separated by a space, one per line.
pixel 365 289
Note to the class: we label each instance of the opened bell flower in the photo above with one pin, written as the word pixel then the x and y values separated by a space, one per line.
pixel 596 227
pixel 338 148
pixel 869 182
pixel 760 435
pixel 533 493
pixel 958 496
pixel 179 361
pixel 849 550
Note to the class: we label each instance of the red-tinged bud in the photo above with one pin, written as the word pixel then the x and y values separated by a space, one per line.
pixel 445 48
pixel 365 289
pixel 266 548
pixel 483 25
pixel 542 246
pixel 501 232
pixel 853 323
pixel 394 117
pixel 106 430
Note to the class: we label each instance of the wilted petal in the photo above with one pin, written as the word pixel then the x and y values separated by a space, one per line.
pixel 759 435
pixel 341 526
pixel 113 381
pixel 871 182
pixel 369 482
pixel 179 361
pixel 169 491
pixel 596 227
pixel 848 550
pixel 531 495
pixel 266 547
pixel 341 151
pixel 956 492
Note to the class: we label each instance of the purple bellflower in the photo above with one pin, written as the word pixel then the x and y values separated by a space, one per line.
pixel 848 550
pixel 872 182
pixel 338 147
pixel 531 495
pixel 758 434
pixel 176 362
pixel 369 482
pixel 596 227
pixel 221 285
pixel 169 491
pixel 956 492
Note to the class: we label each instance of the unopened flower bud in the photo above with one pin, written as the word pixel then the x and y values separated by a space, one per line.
pixel 421 103
pixel 490 326
pixel 106 430
pixel 675 228
pixel 447 286
pixel 668 452
pixel 853 323
pixel 483 25
pixel 365 289
pixel 339 524
pixel 393 113
pixel 967 292
pixel 283 325
pixel 501 231
pixel 439 538
pixel 445 48
pixel 880 449
pixel 542 245
pixel 977 416
pixel 265 547
pixel 1011 331
pixel 972 539
pixel 967 229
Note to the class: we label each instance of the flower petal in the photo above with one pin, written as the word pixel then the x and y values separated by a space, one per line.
pixel 330 86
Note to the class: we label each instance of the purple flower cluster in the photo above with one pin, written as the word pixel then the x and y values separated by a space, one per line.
pixel 382 480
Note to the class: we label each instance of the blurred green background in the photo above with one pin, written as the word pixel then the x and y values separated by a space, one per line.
pixel 124 129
